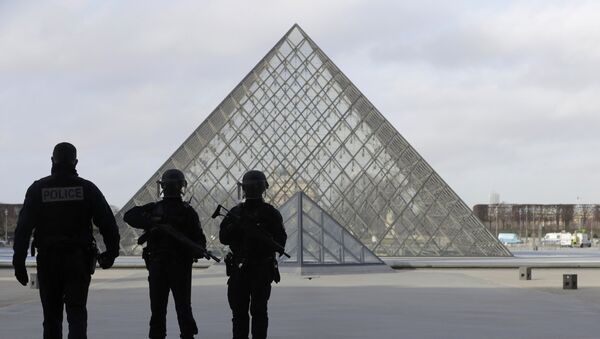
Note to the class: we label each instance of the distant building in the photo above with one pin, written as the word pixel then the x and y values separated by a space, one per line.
pixel 534 220
pixel 494 198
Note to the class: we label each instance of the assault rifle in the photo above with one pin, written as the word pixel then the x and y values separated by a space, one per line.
pixel 195 250
pixel 258 232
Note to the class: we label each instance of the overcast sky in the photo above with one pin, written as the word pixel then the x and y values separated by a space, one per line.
pixel 497 96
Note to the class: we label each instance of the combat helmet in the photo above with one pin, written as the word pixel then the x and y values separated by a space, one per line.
pixel 173 183
pixel 254 184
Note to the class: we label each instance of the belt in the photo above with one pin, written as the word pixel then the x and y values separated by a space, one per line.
pixel 252 260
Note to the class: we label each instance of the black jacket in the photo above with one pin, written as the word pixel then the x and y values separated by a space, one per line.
pixel 237 232
pixel 179 214
pixel 59 210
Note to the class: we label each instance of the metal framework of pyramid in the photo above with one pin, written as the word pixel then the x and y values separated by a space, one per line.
pixel 316 238
pixel 298 118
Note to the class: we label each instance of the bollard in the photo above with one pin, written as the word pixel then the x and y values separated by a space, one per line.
pixel 524 273
pixel 569 281
pixel 33 282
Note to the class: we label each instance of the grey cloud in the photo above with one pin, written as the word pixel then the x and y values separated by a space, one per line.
pixel 541 44
pixel 495 95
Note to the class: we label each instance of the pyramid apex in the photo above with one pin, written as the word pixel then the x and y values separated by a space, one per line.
pixel 295 32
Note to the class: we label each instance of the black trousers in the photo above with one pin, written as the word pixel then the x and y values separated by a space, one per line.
pixel 250 288
pixel 174 274
pixel 64 279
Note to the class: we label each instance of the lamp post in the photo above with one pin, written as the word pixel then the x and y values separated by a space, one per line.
pixel 520 223
pixel 497 220
pixel 526 224
pixel 6 225
pixel 533 230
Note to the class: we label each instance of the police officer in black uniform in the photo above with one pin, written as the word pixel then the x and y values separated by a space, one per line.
pixel 59 210
pixel 169 262
pixel 247 230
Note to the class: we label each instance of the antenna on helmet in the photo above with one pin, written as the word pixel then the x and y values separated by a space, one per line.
pixel 157 189
pixel 239 191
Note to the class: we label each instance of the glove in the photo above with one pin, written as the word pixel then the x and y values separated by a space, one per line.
pixel 21 274
pixel 106 260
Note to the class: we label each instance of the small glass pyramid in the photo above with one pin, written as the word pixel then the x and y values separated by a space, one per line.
pixel 323 240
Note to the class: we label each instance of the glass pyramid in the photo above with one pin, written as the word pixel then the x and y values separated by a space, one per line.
pixel 323 240
pixel 298 118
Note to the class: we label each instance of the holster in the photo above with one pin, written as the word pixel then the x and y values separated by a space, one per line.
pixel 229 264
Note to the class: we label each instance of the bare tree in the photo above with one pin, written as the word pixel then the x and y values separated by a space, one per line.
pixel 596 218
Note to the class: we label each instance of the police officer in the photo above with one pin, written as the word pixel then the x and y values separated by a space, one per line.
pixel 59 209
pixel 249 229
pixel 169 262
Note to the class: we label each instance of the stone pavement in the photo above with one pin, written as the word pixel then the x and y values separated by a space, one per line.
pixel 424 303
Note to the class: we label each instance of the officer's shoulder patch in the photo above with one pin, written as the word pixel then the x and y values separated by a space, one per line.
pixel 34 185
pixel 56 194
pixel 149 205
pixel 41 181
pixel 273 210
pixel 270 207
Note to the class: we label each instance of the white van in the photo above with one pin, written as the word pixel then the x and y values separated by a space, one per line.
pixel 565 239
pixel 551 239
pixel 580 239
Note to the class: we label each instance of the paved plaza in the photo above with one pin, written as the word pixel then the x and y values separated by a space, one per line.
pixel 422 303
